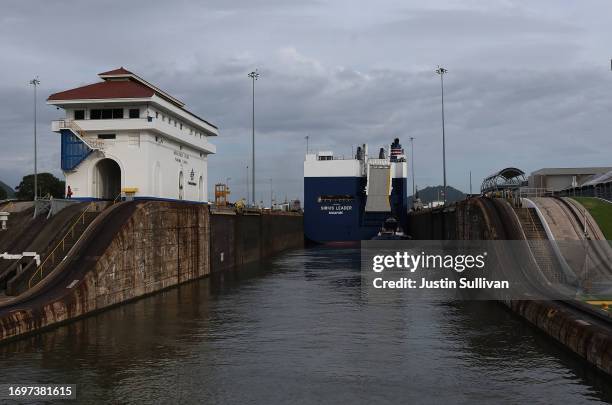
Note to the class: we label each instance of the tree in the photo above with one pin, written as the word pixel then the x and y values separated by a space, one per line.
pixel 47 184
pixel 3 194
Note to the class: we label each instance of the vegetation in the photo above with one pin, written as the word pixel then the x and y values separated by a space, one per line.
pixel 601 211
pixel 3 194
pixel 9 192
pixel 435 193
pixel 48 184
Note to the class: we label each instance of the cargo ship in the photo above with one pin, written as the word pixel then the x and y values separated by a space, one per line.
pixel 348 200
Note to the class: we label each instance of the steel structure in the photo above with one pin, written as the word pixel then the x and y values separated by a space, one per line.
pixel 509 178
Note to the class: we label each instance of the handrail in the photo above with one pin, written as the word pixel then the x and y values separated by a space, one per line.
pixel 61 243
pixel 9 205
pixel 80 133
pixel 116 199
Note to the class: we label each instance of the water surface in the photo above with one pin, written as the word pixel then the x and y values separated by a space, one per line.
pixel 299 329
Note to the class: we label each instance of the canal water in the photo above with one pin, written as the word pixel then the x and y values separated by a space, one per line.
pixel 299 329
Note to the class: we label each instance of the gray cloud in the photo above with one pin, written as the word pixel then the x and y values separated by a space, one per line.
pixel 527 84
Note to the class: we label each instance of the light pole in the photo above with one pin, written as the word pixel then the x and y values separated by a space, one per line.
pixel 470 183
pixel 35 82
pixel 253 75
pixel 270 194
pixel 247 185
pixel 227 189
pixel 412 164
pixel 441 71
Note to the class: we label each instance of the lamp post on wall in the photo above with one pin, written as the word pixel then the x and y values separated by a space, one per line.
pixel 254 75
pixel 271 194
pixel 247 185
pixel 227 189
pixel 35 83
pixel 412 164
pixel 441 71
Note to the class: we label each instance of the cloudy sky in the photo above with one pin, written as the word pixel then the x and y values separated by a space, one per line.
pixel 528 84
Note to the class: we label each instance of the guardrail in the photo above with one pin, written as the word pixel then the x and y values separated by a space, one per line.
pixel 61 244
pixel 80 133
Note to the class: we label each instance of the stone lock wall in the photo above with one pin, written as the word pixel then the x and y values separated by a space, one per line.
pixel 162 245
pixel 240 239
pixel 141 247
pixel 158 246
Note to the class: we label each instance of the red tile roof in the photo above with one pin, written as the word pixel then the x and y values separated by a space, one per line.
pixel 120 71
pixel 106 89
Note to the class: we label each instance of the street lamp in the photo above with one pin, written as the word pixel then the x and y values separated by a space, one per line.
pixel 441 71
pixel 35 82
pixel 247 185
pixel 253 75
pixel 412 164
pixel 227 189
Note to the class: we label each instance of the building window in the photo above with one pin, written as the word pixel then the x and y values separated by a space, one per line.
pixel 134 113
pixel 106 113
pixel 163 118
pixel 181 127
pixel 156 115
pixel 79 114
pixel 106 136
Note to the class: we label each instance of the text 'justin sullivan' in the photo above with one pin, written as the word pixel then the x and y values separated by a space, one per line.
pixel 412 262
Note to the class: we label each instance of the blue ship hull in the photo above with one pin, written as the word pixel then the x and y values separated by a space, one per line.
pixel 344 219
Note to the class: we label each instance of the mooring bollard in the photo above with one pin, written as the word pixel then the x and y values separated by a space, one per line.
pixel 3 219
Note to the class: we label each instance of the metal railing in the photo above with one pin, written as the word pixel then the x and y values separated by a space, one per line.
pixel 81 134
pixel 8 206
pixel 117 199
pixel 534 192
pixel 61 244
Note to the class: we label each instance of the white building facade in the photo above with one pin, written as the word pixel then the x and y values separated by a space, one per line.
pixel 125 136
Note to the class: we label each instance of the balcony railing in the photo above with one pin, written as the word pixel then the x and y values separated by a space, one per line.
pixel 94 144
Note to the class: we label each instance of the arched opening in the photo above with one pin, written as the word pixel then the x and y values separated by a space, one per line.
pixel 201 189
pixel 107 179
pixel 180 185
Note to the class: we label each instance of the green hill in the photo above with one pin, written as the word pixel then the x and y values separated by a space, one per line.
pixel 9 191
pixel 434 193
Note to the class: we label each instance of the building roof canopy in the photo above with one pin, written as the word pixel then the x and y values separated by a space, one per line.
pixel 119 84
pixel 510 177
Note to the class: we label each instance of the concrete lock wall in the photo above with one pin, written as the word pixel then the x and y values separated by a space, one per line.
pixel 467 220
pixel 241 239
pixel 158 245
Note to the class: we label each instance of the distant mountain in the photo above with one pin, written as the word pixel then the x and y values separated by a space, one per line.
pixel 9 191
pixel 429 194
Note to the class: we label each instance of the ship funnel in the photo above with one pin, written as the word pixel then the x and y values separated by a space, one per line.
pixel 381 154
